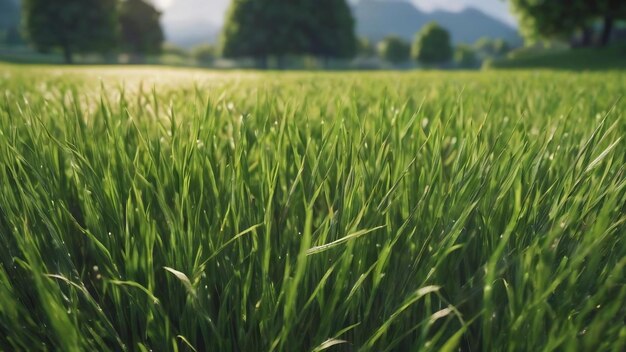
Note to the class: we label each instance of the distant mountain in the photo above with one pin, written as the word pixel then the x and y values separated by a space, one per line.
pixel 377 19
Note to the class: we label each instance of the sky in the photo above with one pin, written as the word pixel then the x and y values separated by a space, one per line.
pixel 214 10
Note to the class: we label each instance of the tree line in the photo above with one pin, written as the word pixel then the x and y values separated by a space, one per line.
pixel 278 29
pixel 432 47
pixel 93 26
pixel 256 29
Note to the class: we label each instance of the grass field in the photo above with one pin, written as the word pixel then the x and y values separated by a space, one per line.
pixel 191 210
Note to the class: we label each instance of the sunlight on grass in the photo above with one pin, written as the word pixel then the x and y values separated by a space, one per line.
pixel 175 209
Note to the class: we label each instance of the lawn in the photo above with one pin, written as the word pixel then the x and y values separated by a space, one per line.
pixel 169 209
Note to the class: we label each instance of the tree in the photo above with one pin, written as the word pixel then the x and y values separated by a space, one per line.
pixel 553 19
pixel 492 47
pixel 501 47
pixel 264 28
pixel 394 49
pixel 365 48
pixel 141 32
pixel 465 57
pixel 75 26
pixel 432 45
pixel 563 18
pixel 330 29
pixel 204 53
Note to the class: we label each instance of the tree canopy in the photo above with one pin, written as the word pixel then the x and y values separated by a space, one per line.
pixel 432 45
pixel 465 57
pixel 563 18
pixel 204 53
pixel 263 28
pixel 75 26
pixel 330 29
pixel 141 31
pixel 492 47
pixel 394 49
pixel 365 47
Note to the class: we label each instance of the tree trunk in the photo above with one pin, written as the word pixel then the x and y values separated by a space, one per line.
pixel 67 55
pixel 606 31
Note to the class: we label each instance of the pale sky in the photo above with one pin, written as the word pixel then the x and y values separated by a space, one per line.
pixel 214 10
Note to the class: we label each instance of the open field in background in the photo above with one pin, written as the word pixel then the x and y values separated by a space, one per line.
pixel 182 209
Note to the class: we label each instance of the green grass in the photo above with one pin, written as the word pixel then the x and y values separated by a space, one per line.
pixel 582 59
pixel 190 210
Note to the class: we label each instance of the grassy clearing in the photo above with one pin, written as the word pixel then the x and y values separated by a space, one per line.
pixel 254 212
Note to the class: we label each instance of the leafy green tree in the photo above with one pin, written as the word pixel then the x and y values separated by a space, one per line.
pixel 553 19
pixel 432 45
pixel 329 28
pixel 492 47
pixel 501 47
pixel 204 53
pixel 141 32
pixel 562 18
pixel 264 28
pixel 395 50
pixel 465 57
pixel 365 48
pixel 75 26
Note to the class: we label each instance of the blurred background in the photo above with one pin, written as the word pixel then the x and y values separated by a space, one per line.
pixel 317 34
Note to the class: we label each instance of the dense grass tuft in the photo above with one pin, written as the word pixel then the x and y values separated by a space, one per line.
pixel 293 212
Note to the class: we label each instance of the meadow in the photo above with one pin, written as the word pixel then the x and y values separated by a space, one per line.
pixel 151 209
